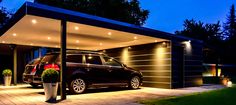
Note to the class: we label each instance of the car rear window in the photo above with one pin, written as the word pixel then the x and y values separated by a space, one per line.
pixel 93 59
pixel 49 58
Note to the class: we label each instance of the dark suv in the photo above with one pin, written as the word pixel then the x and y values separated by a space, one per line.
pixel 85 70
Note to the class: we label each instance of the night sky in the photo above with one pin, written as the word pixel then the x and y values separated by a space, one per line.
pixel 168 15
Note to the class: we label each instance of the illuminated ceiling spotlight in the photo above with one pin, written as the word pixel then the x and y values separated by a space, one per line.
pixel 77 48
pixel 76 28
pixel 3 42
pixel 100 44
pixel 156 41
pixel 34 21
pixel 129 48
pixel 14 34
pixel 109 33
pixel 189 41
pixel 49 38
pixel 31 44
pixel 77 41
pixel 135 38
pixel 56 46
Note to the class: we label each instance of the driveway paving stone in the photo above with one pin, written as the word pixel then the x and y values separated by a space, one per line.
pixel 24 94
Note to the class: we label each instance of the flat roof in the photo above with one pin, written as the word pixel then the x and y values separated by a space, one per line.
pixel 44 11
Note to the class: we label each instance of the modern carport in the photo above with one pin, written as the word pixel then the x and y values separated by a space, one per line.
pixel 166 60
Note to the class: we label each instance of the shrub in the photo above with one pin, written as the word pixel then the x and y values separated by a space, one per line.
pixel 7 72
pixel 50 76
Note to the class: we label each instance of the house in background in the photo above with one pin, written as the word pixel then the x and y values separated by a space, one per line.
pixel 166 60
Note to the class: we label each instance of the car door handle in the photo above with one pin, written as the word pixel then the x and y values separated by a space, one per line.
pixel 88 69
pixel 109 70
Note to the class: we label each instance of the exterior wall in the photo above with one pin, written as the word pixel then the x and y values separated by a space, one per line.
pixel 191 68
pixel 6 59
pixel 154 61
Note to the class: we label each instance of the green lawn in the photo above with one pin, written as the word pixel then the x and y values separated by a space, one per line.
pixel 225 96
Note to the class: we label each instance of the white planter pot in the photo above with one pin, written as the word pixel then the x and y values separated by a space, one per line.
pixel 50 90
pixel 7 80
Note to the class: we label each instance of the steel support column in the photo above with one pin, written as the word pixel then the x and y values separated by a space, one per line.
pixel 15 66
pixel 14 73
pixel 63 60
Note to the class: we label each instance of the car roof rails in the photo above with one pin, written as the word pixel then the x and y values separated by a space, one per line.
pixel 79 51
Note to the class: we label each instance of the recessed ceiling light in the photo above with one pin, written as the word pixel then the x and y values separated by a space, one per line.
pixel 129 47
pixel 135 37
pixel 77 47
pixel 77 41
pixel 14 34
pixel 56 46
pixel 49 38
pixel 31 44
pixel 156 41
pixel 109 33
pixel 76 28
pixel 100 44
pixel 34 21
pixel 3 42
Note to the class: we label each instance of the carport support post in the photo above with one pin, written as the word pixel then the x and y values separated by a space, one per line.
pixel 14 73
pixel 63 60
pixel 15 66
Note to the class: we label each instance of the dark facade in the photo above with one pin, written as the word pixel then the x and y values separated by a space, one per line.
pixel 166 64
pixel 187 64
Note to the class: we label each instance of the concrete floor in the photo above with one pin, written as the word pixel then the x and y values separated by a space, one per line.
pixel 24 94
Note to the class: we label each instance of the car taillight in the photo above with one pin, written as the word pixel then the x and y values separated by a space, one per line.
pixel 53 66
pixel 34 69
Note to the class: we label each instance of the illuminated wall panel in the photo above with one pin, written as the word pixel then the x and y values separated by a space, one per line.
pixel 154 61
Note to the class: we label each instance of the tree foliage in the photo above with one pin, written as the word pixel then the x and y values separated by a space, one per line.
pixel 4 16
pixel 202 31
pixel 230 25
pixel 121 10
pixel 210 34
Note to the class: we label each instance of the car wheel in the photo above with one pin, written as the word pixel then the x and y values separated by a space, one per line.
pixel 78 86
pixel 34 85
pixel 134 82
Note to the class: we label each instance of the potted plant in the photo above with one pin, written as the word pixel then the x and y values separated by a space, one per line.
pixel 50 84
pixel 7 73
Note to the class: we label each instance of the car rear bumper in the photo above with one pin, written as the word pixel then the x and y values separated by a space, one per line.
pixel 28 78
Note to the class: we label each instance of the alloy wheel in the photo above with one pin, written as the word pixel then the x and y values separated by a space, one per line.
pixel 79 85
pixel 135 82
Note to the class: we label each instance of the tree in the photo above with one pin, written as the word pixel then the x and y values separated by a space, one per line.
pixel 4 16
pixel 230 25
pixel 211 36
pixel 121 10
pixel 230 33
pixel 201 31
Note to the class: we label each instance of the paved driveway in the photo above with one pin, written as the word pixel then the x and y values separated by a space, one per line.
pixel 24 94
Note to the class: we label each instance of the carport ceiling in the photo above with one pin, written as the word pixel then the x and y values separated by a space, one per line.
pixel 39 31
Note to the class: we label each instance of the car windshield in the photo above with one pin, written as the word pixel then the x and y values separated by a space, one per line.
pixel 49 59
